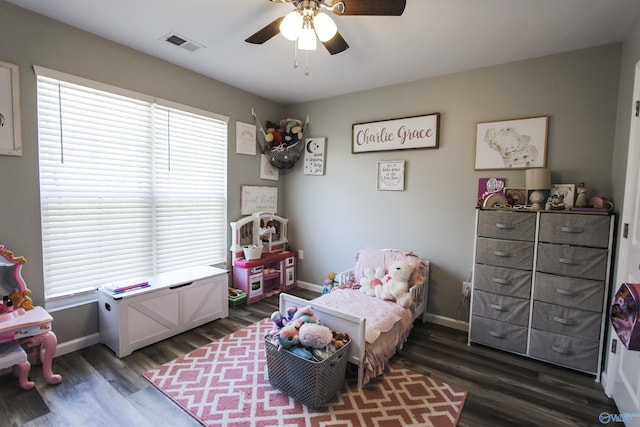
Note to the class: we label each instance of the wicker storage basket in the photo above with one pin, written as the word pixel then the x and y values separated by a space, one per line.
pixel 311 383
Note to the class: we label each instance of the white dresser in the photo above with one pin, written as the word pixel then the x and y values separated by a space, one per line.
pixel 540 285
pixel 173 303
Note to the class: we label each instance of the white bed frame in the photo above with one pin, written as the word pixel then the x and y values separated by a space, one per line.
pixel 353 325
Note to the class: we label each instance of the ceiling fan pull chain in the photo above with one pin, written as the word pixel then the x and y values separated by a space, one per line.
pixel 306 69
pixel 295 54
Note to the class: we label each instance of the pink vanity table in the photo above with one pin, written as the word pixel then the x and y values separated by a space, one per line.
pixel 25 326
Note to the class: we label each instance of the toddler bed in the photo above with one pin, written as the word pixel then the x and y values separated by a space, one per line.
pixel 377 328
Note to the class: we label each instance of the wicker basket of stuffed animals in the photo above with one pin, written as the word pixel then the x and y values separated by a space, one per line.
pixel 282 143
pixel 310 382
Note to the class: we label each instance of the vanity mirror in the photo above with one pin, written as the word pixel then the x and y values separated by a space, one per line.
pixel 11 281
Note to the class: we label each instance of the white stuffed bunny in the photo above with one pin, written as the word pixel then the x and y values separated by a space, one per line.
pixel 371 280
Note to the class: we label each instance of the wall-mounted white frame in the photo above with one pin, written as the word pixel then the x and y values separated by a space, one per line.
pixel 245 138
pixel 390 175
pixel 10 130
pixel 267 170
pixel 314 156
pixel 258 199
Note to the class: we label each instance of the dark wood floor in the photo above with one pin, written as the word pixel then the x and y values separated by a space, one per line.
pixel 99 389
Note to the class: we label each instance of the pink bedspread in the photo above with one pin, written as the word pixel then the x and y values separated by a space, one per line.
pixel 387 327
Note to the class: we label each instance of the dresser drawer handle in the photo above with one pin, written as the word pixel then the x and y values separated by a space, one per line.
pixel 559 349
pixel 503 226
pixel 501 254
pixel 569 261
pixel 567 322
pixel 572 229
pixel 500 281
pixel 498 307
pixel 566 292
pixel 497 334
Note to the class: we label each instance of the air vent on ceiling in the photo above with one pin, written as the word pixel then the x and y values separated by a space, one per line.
pixel 182 42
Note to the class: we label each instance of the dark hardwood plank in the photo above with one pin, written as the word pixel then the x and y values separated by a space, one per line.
pixel 100 389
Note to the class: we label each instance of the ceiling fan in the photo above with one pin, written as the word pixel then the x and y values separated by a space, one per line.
pixel 309 20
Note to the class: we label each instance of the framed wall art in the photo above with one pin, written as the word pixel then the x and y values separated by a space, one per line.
pixel 267 170
pixel 512 144
pixel 390 175
pixel 10 131
pixel 245 138
pixel 397 134
pixel 314 156
pixel 258 199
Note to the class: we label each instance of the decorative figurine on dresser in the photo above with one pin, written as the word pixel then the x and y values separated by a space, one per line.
pixel 540 285
pixel 262 264
pixel 22 325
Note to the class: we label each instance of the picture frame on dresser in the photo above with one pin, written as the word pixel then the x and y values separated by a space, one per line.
pixel 567 191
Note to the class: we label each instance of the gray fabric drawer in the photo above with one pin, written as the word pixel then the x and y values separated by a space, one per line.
pixel 566 321
pixel 500 307
pixel 499 334
pixel 507 225
pixel 505 253
pixel 571 292
pixel 574 261
pixel 572 229
pixel 571 352
pixel 502 280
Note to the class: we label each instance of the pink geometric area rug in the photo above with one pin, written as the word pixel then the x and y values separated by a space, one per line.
pixel 225 383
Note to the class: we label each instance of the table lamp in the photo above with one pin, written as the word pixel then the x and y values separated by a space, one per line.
pixel 537 179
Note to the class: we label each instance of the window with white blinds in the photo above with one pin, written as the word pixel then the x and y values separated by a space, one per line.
pixel 129 186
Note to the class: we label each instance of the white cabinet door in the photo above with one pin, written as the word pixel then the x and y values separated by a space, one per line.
pixel 204 301
pixel 150 318
pixel 623 367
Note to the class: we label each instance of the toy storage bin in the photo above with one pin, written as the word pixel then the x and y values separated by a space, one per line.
pixel 309 382
pixel 238 300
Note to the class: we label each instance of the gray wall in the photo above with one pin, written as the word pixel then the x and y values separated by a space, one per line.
pixel 334 215
pixel 28 39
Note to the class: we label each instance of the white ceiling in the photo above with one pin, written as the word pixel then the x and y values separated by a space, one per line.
pixel 432 37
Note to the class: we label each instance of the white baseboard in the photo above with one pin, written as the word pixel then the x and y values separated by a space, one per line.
pixel 309 286
pixel 460 325
pixel 77 344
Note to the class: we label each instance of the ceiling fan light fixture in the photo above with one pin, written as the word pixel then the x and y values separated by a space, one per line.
pixel 307 39
pixel 291 25
pixel 324 26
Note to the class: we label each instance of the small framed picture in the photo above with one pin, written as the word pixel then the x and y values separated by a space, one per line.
pixel 267 170
pixel 314 156
pixel 390 175
pixel 564 193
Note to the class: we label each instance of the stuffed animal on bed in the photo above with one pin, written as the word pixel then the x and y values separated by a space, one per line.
pixel 397 287
pixel 372 279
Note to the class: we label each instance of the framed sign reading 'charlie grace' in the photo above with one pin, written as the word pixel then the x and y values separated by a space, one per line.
pixel 396 134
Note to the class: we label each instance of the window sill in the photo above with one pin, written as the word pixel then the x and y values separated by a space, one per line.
pixel 70 301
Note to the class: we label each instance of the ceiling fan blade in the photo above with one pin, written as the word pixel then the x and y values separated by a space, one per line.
pixel 371 7
pixel 336 44
pixel 265 33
